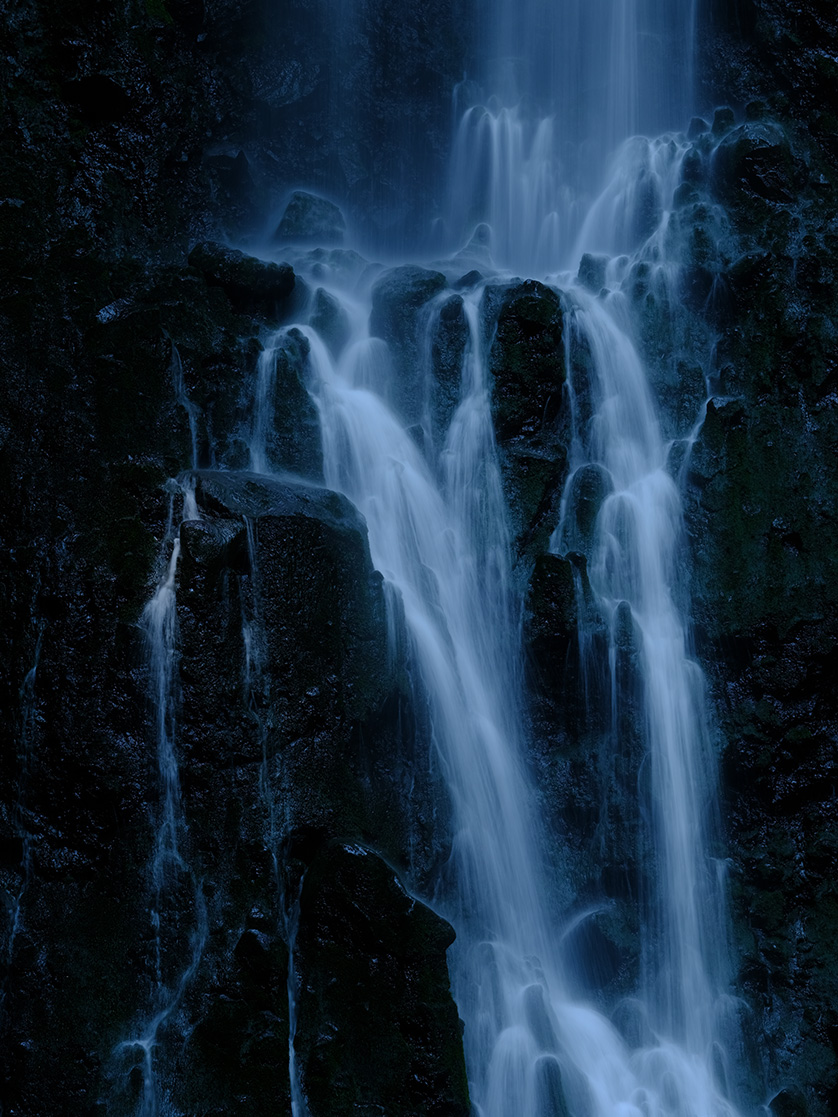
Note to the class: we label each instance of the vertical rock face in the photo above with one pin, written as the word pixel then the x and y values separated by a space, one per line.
pixel 376 1025
pixel 760 492
pixel 532 422
pixel 130 135
pixel 270 565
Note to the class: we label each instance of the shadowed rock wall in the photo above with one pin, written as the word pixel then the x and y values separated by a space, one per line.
pixel 128 135
pixel 130 132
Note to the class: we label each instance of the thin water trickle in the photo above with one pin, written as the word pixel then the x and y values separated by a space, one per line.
pixel 29 720
pixel 169 869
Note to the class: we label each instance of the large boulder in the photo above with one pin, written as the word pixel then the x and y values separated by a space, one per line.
pixel 287 662
pixel 377 1029
pixel 290 426
pixel 292 732
pixel 308 219
pixel 253 286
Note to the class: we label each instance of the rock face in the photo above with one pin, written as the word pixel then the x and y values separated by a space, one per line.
pixel 136 142
pixel 255 287
pixel 760 492
pixel 126 363
pixel 532 420
pixel 375 988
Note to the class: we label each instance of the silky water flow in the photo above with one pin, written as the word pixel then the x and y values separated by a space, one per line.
pixel 524 201
pixel 437 531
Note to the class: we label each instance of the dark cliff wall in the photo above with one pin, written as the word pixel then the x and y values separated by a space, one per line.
pixel 130 131
pixel 762 518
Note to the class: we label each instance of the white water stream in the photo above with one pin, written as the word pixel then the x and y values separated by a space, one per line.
pixel 570 88
pixel 437 530
pixel 564 95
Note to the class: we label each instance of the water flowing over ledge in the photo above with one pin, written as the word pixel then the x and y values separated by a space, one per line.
pixel 433 500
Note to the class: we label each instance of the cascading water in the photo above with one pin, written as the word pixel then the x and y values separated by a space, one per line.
pixel 437 529
pixel 561 90
pixel 568 89
pixel 633 560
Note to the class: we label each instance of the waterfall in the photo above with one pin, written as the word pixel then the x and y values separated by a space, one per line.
pixel 634 562
pixel 547 158
pixel 560 89
pixel 438 533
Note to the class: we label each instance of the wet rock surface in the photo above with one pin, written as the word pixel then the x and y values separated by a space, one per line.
pixel 255 287
pixel 524 323
pixel 124 136
pixel 375 988
pixel 133 134
pixel 760 492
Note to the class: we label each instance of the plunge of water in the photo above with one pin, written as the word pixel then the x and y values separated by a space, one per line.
pixel 567 92
pixel 438 532
pixel 559 90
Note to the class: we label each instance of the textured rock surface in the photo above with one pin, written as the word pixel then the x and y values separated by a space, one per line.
pixel 532 420
pixel 255 287
pixel 761 497
pixel 375 987
pixel 124 134
pixel 134 130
